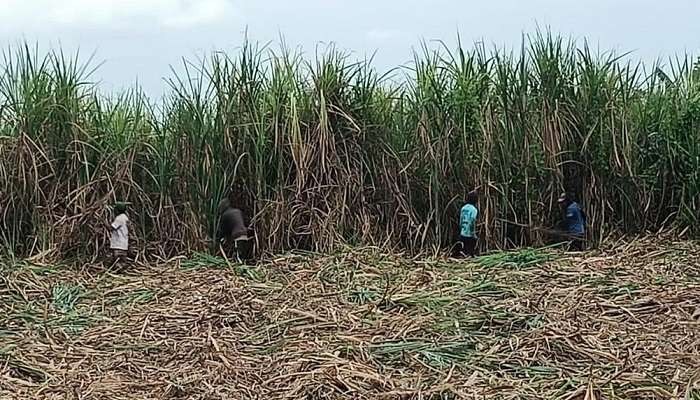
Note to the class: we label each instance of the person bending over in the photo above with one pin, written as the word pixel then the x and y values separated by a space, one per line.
pixel 573 223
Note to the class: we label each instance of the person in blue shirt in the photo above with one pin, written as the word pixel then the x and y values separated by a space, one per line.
pixel 573 221
pixel 467 225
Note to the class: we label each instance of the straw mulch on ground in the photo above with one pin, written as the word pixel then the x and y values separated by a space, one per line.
pixel 616 323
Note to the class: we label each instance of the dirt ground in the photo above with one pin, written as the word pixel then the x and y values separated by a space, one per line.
pixel 621 322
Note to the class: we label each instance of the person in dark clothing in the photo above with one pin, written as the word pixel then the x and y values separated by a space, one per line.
pixel 467 226
pixel 231 225
pixel 573 223
pixel 231 229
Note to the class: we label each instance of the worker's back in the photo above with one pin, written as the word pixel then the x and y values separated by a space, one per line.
pixel 575 220
pixel 231 224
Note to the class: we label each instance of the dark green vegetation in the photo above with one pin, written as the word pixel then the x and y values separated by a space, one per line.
pixel 359 324
pixel 327 151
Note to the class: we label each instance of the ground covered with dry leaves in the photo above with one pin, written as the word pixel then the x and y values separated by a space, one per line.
pixel 620 323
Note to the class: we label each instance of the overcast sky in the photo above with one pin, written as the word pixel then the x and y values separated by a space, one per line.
pixel 140 39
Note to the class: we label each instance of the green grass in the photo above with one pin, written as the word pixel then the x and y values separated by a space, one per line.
pixel 364 295
pixel 68 316
pixel 65 297
pixel 440 355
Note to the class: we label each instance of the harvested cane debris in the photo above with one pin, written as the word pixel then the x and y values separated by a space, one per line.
pixel 534 324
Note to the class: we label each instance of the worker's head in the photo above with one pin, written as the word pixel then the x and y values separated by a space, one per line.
pixel 472 197
pixel 231 196
pixel 224 205
pixel 119 208
pixel 228 201
pixel 565 199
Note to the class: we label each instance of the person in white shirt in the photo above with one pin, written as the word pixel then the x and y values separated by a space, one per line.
pixel 119 233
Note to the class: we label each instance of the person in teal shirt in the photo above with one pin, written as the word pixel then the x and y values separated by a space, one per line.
pixel 467 225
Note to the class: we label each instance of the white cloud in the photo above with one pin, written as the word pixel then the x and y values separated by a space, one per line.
pixel 26 15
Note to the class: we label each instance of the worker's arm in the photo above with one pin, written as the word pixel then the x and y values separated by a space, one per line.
pixel 114 225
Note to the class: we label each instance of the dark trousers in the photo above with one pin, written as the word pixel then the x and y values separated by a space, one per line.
pixel 577 244
pixel 571 241
pixel 119 259
pixel 240 249
pixel 468 246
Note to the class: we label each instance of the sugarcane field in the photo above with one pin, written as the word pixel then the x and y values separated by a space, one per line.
pixel 479 223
